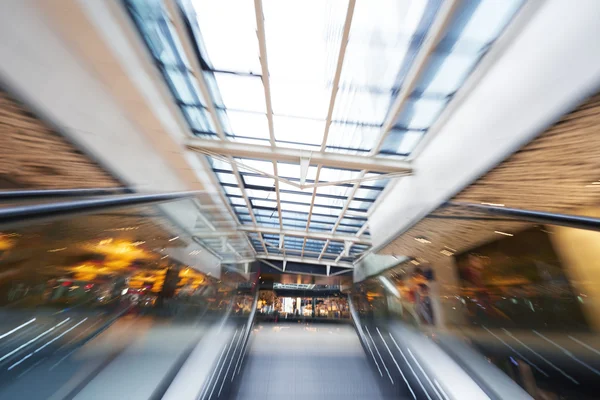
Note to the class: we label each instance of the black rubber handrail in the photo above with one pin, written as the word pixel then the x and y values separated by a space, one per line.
pixel 542 217
pixel 28 213
pixel 52 193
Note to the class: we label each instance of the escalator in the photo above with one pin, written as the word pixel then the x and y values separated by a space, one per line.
pixel 357 360
pixel 107 313
pixel 317 361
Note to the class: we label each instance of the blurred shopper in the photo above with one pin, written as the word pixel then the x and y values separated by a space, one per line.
pixel 424 307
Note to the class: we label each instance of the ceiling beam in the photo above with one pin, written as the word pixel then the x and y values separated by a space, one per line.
pixel 287 232
pixel 302 233
pixel 303 260
pixel 326 159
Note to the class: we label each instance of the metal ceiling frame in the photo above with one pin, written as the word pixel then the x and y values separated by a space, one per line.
pixel 370 163
pixel 303 260
pixel 334 91
pixel 274 153
pixel 177 20
pixel 260 26
pixel 286 232
pixel 432 38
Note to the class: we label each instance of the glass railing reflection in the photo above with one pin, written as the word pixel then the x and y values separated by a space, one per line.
pixel 525 300
pixel 83 291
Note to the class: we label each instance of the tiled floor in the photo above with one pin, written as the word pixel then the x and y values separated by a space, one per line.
pixel 298 361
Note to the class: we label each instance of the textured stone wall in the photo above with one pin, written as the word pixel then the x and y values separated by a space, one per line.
pixel 552 173
pixel 33 155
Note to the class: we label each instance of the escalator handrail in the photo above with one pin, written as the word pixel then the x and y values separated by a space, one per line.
pixel 356 319
pixel 54 193
pixel 542 217
pixel 19 214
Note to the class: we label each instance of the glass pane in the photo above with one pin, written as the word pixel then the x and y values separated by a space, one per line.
pixel 356 104
pixel 198 119
pixel 288 170
pixel 305 130
pixel 355 136
pixel 480 22
pixel 237 201
pixel 261 194
pixel 445 73
pixel 228 31
pixel 401 142
pixel 320 226
pixel 294 223
pixel 264 203
pixel 261 166
pixel 299 99
pixel 325 211
pixel 180 86
pixel 232 190
pixel 227 178
pixel 326 201
pixel 295 207
pixel 356 205
pixel 420 114
pixel 219 164
pixel 302 61
pixel 366 193
pixel 253 125
pixel 380 41
pixel 156 30
pixel 259 181
pixel 242 92
pixel 350 222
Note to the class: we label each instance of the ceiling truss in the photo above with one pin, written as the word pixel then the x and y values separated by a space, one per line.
pixel 373 164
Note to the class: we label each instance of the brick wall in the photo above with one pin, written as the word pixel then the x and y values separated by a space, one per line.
pixel 552 173
pixel 33 155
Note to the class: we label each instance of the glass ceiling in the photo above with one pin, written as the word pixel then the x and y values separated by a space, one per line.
pixel 302 41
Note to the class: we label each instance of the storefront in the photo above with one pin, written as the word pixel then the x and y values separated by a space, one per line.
pixel 304 304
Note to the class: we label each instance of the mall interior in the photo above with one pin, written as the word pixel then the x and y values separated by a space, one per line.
pixel 318 199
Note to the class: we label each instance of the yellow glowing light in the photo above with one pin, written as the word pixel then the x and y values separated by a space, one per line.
pixel 6 243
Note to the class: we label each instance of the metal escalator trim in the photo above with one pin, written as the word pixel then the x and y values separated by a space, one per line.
pixel 410 367
pixel 163 386
pixel 397 366
pixel 229 346
pixel 210 380
pixel 230 362
pixel 379 354
pixel 424 373
pixel 249 324
pixel 71 395
pixel 457 381
pixel 361 334
pixel 474 372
